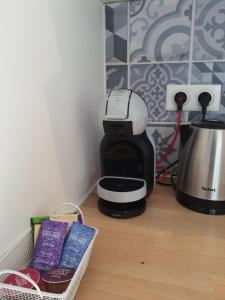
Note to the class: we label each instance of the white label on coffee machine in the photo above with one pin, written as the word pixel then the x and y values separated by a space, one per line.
pixel 118 104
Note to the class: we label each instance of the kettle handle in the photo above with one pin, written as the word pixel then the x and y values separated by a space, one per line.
pixel 185 133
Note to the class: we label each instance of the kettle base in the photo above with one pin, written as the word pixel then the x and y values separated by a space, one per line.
pixel 203 206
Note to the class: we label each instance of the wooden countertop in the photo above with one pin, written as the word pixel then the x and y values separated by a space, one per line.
pixel 167 253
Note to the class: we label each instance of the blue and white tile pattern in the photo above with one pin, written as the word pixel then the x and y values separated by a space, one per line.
pixel 209 40
pixel 165 41
pixel 116 16
pixel 116 77
pixel 160 30
pixel 150 81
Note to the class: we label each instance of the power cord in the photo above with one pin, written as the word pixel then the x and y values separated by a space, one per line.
pixel 173 183
pixel 161 173
pixel 170 147
pixel 180 98
pixel 204 99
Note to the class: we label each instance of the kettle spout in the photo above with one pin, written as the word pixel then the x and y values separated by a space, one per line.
pixel 185 133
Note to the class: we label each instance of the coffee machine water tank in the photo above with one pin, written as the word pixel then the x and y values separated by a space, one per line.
pixel 125 106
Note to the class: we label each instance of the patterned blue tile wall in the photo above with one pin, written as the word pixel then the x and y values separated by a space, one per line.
pixel 150 43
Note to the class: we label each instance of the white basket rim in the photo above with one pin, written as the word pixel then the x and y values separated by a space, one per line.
pixel 71 204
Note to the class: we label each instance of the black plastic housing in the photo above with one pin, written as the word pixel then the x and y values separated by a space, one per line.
pixel 128 156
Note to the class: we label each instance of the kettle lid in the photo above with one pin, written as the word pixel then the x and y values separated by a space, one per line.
pixel 210 124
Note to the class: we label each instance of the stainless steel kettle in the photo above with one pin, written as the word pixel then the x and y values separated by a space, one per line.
pixel 201 172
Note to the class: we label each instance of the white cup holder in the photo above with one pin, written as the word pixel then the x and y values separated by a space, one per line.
pixel 121 189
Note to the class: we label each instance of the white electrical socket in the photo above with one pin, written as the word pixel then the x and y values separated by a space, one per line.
pixel 192 92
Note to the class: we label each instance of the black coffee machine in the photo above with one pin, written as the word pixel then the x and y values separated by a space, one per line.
pixel 127 156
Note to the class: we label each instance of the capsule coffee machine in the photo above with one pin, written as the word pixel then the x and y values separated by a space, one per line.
pixel 127 156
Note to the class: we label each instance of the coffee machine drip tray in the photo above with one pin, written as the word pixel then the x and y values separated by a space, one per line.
pixel 121 197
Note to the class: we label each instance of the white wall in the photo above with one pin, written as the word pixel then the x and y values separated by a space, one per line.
pixel 51 81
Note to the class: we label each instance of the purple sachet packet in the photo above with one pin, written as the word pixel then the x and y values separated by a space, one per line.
pixel 49 245
pixel 76 244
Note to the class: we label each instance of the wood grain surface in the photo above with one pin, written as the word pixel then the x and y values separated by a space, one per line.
pixel 168 253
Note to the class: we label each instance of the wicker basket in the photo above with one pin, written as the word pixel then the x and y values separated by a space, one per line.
pixel 19 257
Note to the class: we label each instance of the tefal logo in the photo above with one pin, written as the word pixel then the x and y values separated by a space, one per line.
pixel 208 189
